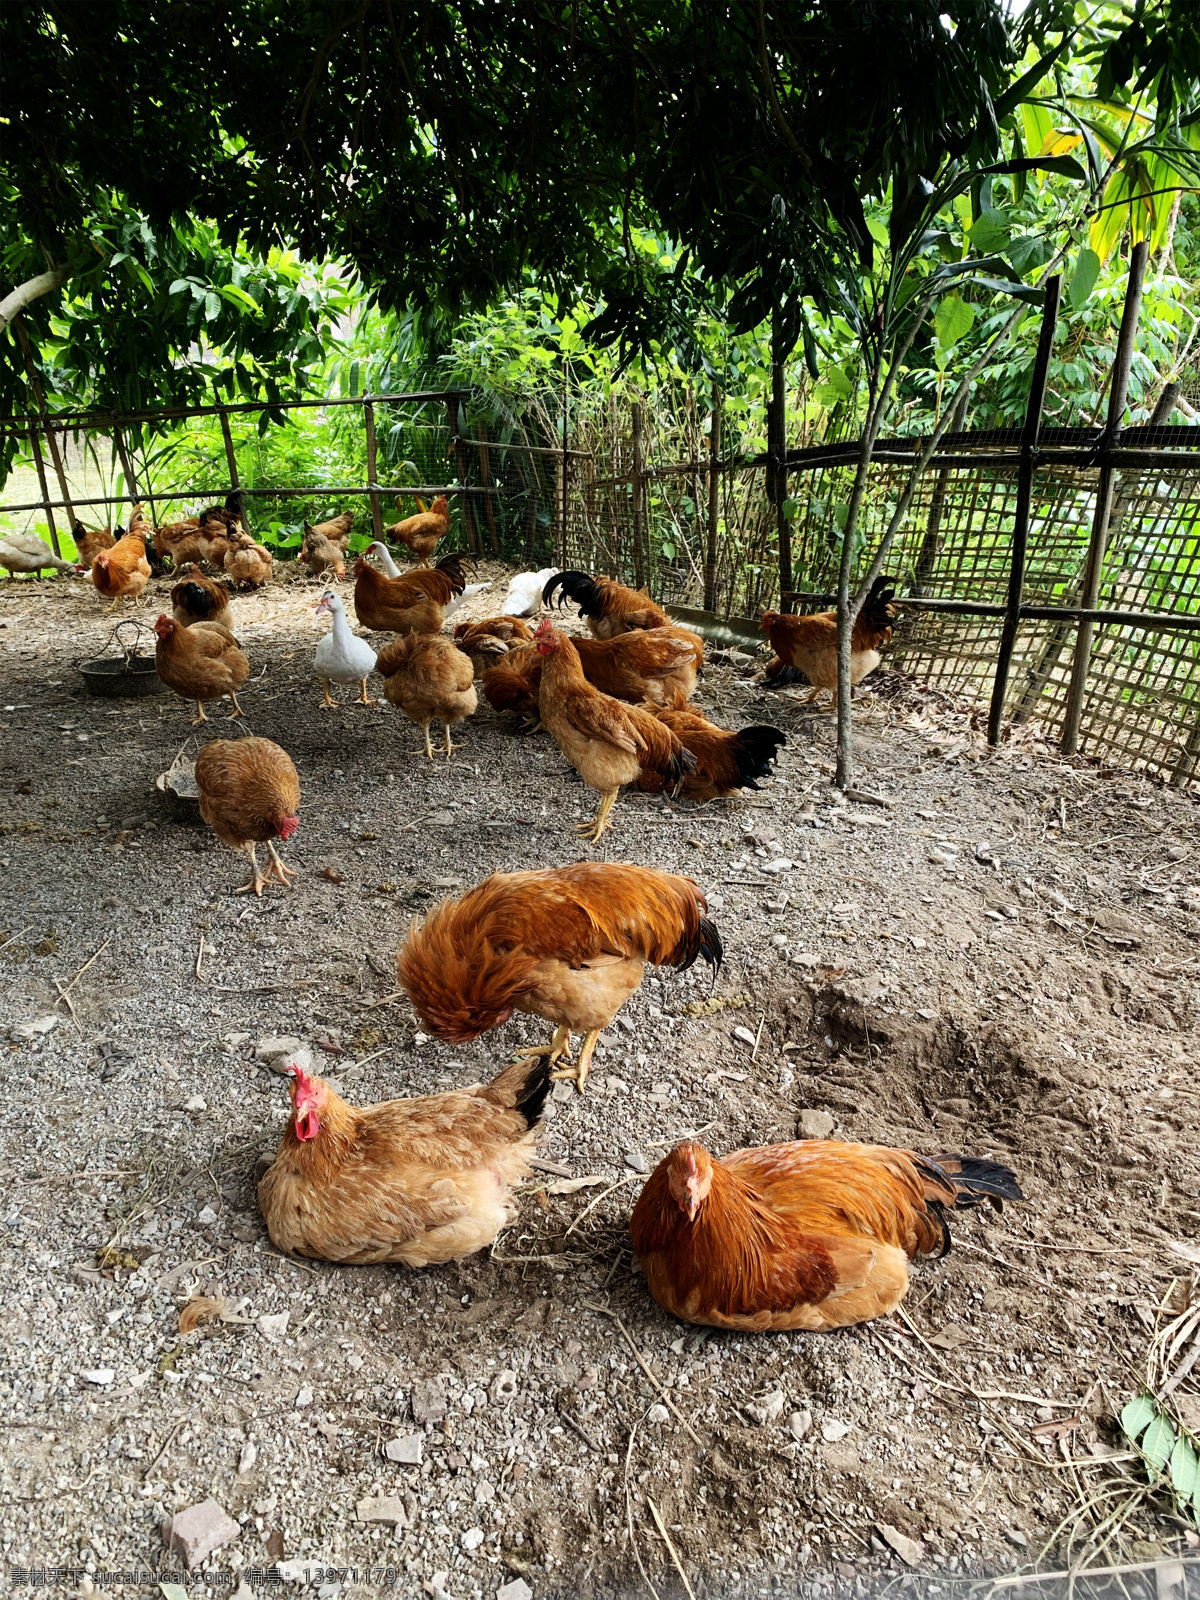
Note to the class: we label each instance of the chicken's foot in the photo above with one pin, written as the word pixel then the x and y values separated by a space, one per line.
pixel 237 710
pixel 108 610
pixel 277 868
pixel 364 699
pixel 560 1049
pixel 331 704
pixel 579 1072
pixel 260 879
pixel 450 748
pixel 593 829
pixel 199 717
pixel 428 744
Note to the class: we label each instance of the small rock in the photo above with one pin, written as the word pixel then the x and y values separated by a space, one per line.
pixel 270 1049
pixel 384 1508
pixel 195 1102
pixel 805 958
pixel 304 1398
pixel 100 1375
pixel 504 1388
pixel 776 906
pixel 299 1570
pixel 206 1217
pixel 799 1423
pixel 273 1326
pixel 200 1531
pixel 406 1451
pixel 1015 1536
pixel 779 941
pixel 833 1429
pixel 636 1160
pixel 769 1409
pixel 518 1589
pixel 39 1025
pixel 472 1539
pixel 775 867
pixel 428 1401
pixel 744 1036
pixel 909 1550
pixel 814 1124
pixel 658 1414
pixel 247 1458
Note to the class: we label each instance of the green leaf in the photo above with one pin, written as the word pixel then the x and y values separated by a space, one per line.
pixel 1083 279
pixel 954 317
pixel 1185 1469
pixel 1137 1417
pixel 668 549
pixel 1157 1442
pixel 991 232
pixel 1039 126
pixel 212 306
pixel 839 382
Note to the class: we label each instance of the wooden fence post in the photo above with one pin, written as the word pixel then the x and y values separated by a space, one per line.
pixel 566 465
pixel 485 473
pixel 464 471
pixel 372 469
pixel 231 463
pixel 126 464
pixel 39 400
pixel 1104 497
pixel 1020 534
pixel 36 446
pixel 777 481
pixel 639 555
pixel 714 491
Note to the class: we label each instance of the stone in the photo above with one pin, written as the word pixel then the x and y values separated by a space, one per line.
pixel 206 1217
pixel 775 867
pixel 768 1410
pixel 200 1531
pixel 909 1550
pixel 814 1124
pixel 272 1048
pixel 799 1423
pixel 34 1029
pixel 195 1102
pixel 99 1375
pixel 247 1458
pixel 273 1325
pixel 304 1397
pixel 743 1035
pixel 472 1539
pixel 833 1429
pixel 518 1589
pixel 406 1451
pixel 658 1414
pixel 504 1388
pixel 636 1160
pixel 1015 1536
pixel 428 1400
pixel 385 1508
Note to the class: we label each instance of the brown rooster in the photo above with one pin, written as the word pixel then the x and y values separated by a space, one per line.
pixel 415 1181
pixel 566 943
pixel 429 679
pixel 413 603
pixel 725 761
pixel 810 1235
pixel 608 744
pixel 607 607
pixel 200 599
pixel 250 794
pixel 808 645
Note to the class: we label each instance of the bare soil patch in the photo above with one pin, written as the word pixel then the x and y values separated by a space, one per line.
pixel 1003 963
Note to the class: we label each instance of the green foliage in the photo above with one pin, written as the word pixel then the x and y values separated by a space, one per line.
pixel 1167 1451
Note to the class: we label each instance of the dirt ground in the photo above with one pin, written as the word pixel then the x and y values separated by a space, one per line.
pixel 1003 962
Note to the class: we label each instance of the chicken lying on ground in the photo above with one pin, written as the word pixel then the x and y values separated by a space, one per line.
pixel 725 761
pixel 179 542
pixel 811 1235
pixel 809 644
pixel 609 744
pixel 90 541
pixel 123 571
pixel 200 662
pixel 607 607
pixel 658 667
pixel 25 552
pixel 569 944
pixel 429 680
pixel 249 563
pixel 414 603
pixel 249 795
pixel 200 599
pixel 322 555
pixel 415 1181
pixel 423 533
pixel 490 639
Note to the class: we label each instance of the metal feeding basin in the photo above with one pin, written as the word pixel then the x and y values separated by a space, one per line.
pixel 178 788
pixel 128 676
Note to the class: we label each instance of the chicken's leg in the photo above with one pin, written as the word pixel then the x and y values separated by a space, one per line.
pixel 277 868
pixel 332 704
pixel 108 610
pixel 560 1049
pixel 579 1072
pixel 199 717
pixel 450 748
pixel 428 744
pixel 259 881
pixel 364 699
pixel 593 829
pixel 237 710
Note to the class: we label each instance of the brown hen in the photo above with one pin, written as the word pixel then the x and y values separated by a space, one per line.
pixel 249 795
pixel 429 680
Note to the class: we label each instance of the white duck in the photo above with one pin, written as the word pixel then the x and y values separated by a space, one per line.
pixel 385 558
pixel 524 597
pixel 25 552
pixel 342 657
pixel 456 600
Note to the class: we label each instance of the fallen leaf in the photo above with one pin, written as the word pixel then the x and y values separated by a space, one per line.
pixel 275 1544
pixel 952 1337
pixel 332 875
pixel 1060 1428
pixel 1182 1247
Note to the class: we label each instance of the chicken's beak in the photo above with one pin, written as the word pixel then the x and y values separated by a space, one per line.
pixel 693 1209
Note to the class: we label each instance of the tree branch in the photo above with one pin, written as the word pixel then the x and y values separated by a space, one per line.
pixel 32 289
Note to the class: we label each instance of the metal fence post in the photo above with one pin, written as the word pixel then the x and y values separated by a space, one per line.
pixel 372 469
pixel 777 481
pixel 714 492
pixel 35 444
pixel 639 555
pixel 1020 533
pixel 1104 496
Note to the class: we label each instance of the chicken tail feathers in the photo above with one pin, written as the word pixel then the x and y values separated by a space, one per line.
pixel 523 1086
pixel 875 611
pixel 755 752
pixel 976 1180
pixel 452 564
pixel 578 586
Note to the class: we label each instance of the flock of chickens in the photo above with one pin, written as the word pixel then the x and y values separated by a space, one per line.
pixel 816 1234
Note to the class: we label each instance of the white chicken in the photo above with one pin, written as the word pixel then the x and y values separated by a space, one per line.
pixel 25 552
pixel 341 656
pixel 524 597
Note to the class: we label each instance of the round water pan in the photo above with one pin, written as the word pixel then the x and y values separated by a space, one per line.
pixel 180 794
pixel 121 677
